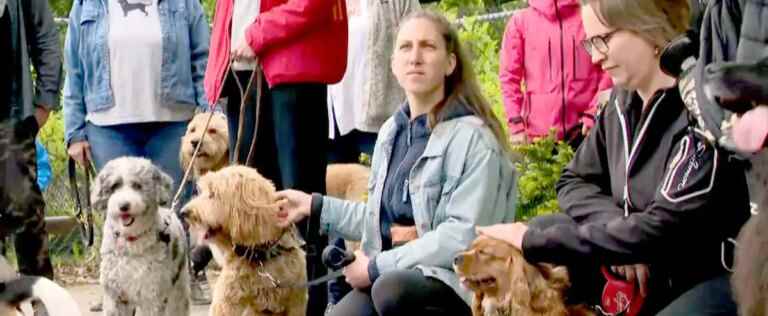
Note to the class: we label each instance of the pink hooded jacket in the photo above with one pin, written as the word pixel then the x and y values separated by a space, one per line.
pixel 542 47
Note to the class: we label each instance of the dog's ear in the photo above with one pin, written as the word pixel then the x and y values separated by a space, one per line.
pixel 184 160
pixel 99 194
pixel 163 186
pixel 520 291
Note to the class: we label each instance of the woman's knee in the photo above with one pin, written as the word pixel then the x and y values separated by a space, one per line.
pixel 391 291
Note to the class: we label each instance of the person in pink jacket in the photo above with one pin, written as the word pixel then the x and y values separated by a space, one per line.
pixel 547 79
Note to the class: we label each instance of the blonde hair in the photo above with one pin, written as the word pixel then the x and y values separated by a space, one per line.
pixel 461 85
pixel 657 21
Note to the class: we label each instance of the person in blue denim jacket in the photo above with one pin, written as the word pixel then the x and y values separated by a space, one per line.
pixel 134 79
pixel 440 164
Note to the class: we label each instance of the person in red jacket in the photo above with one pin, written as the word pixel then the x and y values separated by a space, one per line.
pixel 542 48
pixel 301 47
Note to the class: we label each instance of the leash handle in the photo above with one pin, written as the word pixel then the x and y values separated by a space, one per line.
pixel 337 258
pixel 84 212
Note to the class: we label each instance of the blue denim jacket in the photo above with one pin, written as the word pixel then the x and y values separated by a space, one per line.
pixel 462 180
pixel 87 86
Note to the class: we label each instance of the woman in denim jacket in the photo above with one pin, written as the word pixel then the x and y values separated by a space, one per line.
pixel 441 164
pixel 134 78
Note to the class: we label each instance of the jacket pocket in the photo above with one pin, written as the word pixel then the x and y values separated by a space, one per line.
pixel 582 66
pixel 544 112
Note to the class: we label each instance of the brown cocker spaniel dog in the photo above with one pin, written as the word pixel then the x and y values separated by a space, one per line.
pixel 263 265
pixel 214 150
pixel 505 284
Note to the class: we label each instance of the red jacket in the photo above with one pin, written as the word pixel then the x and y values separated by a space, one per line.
pixel 296 41
pixel 542 47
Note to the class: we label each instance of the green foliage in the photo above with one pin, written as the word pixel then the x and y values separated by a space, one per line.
pixel 52 137
pixel 541 165
pixel 60 8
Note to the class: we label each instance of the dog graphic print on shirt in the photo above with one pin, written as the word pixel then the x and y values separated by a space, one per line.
pixel 128 6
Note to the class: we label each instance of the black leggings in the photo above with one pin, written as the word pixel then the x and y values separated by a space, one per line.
pixel 402 292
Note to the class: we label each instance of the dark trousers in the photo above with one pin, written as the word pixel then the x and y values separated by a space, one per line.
pixel 709 298
pixel 291 150
pixel 403 292
pixel 25 217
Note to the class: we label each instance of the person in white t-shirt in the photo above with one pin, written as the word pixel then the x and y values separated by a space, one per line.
pixel 134 80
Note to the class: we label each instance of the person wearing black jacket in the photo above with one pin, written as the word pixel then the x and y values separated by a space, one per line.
pixel 645 194
pixel 28 35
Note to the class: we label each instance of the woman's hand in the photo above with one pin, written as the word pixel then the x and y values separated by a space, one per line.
pixel 634 272
pixel 403 234
pixel 294 206
pixel 511 233
pixel 80 152
pixel 356 273
pixel 243 51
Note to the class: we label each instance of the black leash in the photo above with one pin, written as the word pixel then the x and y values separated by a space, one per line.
pixel 84 214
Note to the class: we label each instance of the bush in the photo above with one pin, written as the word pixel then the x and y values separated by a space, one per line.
pixel 541 165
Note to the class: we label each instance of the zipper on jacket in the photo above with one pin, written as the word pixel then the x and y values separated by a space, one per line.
pixel 562 67
pixel 629 154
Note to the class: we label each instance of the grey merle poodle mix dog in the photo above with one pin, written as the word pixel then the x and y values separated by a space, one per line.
pixel 144 255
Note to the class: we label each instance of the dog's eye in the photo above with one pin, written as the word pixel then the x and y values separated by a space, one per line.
pixel 211 131
pixel 192 130
pixel 115 186
pixel 484 252
pixel 136 186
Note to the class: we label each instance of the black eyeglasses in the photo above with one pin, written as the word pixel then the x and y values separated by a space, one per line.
pixel 598 42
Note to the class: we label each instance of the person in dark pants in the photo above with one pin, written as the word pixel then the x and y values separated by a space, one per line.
pixel 646 194
pixel 441 164
pixel 301 47
pixel 28 34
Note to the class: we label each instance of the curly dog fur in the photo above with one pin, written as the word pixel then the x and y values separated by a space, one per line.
pixel 143 251
pixel 214 149
pixel 505 284
pixel 750 276
pixel 236 209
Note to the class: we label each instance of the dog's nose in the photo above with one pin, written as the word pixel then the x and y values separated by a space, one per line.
pixel 458 259
pixel 194 143
pixel 124 207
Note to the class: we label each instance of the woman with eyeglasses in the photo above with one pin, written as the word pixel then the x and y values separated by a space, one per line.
pixel 645 196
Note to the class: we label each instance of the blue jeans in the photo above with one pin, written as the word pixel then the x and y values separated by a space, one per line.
pixel 160 142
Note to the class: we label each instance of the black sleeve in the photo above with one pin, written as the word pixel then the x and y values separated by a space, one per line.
pixel 44 50
pixel 584 189
pixel 680 203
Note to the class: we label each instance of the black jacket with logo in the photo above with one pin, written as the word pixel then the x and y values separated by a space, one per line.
pixel 646 188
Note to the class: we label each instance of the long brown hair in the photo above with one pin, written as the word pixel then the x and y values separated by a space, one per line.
pixel 461 85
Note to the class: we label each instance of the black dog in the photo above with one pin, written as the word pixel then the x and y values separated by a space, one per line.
pixel 737 87
pixel 128 7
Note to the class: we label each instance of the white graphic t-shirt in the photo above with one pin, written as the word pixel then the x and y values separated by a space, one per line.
pixel 135 59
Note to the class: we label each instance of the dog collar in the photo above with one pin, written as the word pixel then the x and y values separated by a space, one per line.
pixel 261 253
